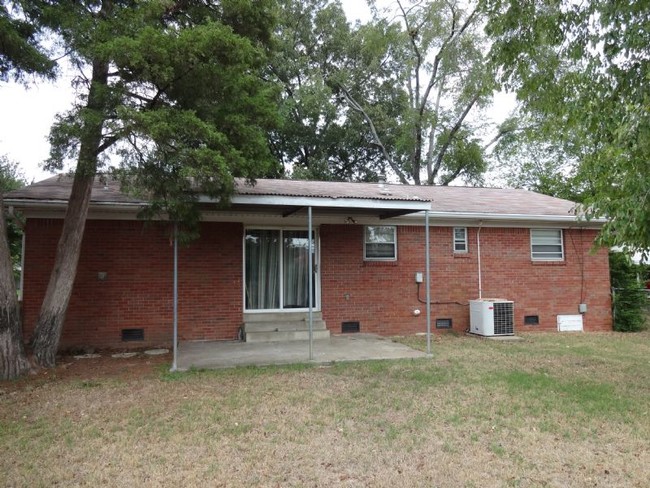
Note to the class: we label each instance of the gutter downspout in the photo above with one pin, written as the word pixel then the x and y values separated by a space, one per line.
pixel 427 266
pixel 175 346
pixel 310 247
pixel 478 252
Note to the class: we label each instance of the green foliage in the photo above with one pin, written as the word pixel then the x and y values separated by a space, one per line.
pixel 390 96
pixel 315 49
pixel 11 179
pixel 584 68
pixel 20 52
pixel 173 90
pixel 629 299
pixel 528 156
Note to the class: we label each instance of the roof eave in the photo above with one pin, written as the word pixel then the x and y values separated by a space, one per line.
pixel 330 202
pixel 62 204
pixel 491 217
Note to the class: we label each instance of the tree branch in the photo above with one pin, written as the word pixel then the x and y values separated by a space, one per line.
pixel 451 177
pixel 357 107
pixel 452 134
pixel 416 157
pixel 432 133
pixel 505 132
pixel 453 35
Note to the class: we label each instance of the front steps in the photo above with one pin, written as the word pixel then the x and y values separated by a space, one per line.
pixel 283 327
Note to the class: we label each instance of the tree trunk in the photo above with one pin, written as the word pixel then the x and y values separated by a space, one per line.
pixel 50 321
pixel 13 361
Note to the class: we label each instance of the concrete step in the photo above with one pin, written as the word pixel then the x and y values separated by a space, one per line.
pixel 286 335
pixel 283 326
pixel 249 317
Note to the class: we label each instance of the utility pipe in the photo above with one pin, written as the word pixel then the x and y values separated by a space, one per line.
pixel 478 252
pixel 427 267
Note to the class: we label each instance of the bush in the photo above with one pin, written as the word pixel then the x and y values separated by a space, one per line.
pixel 628 298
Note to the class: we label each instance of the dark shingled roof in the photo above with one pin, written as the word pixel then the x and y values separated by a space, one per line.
pixel 444 198
pixel 57 188
pixel 453 199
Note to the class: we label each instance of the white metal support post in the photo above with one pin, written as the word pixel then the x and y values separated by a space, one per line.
pixel 175 344
pixel 427 266
pixel 310 247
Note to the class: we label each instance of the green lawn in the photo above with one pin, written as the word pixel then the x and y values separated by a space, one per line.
pixel 551 410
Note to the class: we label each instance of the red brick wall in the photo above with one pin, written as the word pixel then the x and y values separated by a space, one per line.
pixel 138 289
pixel 383 295
pixel 137 292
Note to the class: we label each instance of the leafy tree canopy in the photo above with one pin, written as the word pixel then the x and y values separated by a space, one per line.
pixel 172 88
pixel 400 94
pixel 585 68
pixel 20 51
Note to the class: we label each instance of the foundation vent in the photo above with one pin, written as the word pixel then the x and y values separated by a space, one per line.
pixel 350 327
pixel 531 320
pixel 130 335
pixel 443 323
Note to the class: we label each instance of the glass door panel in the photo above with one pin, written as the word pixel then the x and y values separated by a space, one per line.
pixel 296 268
pixel 262 251
pixel 277 269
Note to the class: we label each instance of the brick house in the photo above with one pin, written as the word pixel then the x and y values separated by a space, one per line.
pixel 248 271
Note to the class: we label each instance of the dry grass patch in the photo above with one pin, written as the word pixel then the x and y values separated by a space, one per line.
pixel 552 410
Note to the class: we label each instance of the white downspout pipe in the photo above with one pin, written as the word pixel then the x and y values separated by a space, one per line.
pixel 427 269
pixel 478 252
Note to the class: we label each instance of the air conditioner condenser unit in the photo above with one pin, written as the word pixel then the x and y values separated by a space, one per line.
pixel 491 317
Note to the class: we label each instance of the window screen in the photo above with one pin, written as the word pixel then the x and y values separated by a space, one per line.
pixel 380 242
pixel 460 239
pixel 546 244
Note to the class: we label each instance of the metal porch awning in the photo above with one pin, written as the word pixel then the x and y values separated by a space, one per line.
pixel 290 206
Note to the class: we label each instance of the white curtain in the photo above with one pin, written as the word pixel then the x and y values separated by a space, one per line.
pixel 262 269
pixel 296 267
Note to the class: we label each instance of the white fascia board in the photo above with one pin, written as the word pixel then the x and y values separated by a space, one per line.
pixel 19 203
pixel 57 208
pixel 351 203
pixel 502 220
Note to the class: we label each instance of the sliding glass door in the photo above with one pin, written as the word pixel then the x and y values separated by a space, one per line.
pixel 277 269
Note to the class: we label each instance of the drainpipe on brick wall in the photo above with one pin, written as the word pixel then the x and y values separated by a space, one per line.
pixel 427 266
pixel 478 252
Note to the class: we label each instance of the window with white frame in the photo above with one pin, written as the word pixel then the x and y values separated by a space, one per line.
pixel 460 239
pixel 546 245
pixel 380 243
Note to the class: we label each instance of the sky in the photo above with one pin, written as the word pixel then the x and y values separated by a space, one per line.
pixel 27 113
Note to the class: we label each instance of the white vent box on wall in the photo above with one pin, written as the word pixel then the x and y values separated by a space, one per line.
pixel 569 323
pixel 491 317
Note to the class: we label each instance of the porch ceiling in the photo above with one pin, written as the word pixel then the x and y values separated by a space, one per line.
pixel 289 210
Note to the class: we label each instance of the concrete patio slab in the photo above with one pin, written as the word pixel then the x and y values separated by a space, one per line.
pixel 353 347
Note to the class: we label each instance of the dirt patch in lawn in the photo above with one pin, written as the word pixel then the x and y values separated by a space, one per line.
pixel 104 367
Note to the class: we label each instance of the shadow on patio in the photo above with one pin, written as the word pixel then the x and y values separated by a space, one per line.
pixel 354 347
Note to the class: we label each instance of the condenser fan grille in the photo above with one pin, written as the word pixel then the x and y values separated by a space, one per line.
pixel 503 318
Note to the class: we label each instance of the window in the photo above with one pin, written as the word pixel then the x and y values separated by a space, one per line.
pixel 460 239
pixel 380 242
pixel 546 245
